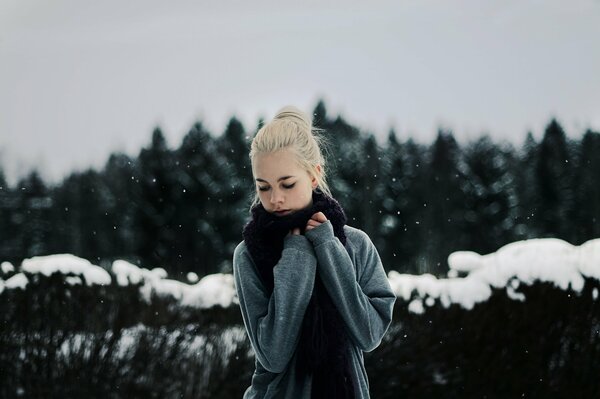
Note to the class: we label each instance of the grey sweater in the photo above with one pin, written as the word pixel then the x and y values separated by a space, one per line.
pixel 356 282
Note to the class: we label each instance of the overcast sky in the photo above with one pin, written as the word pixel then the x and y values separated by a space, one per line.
pixel 82 79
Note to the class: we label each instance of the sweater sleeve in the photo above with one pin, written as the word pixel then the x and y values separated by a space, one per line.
pixel 273 321
pixel 365 303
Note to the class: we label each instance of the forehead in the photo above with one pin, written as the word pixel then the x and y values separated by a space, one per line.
pixel 275 164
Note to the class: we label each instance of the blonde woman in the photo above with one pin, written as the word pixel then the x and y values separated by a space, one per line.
pixel 313 292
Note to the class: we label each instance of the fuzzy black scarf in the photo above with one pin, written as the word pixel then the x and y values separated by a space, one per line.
pixel 323 349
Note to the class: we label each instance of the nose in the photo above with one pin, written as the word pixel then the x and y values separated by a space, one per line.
pixel 276 196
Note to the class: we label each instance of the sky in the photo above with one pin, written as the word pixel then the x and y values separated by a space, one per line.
pixel 80 80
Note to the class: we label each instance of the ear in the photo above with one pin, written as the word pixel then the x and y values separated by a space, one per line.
pixel 314 180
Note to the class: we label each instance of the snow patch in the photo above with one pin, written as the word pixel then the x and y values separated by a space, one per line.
pixel 73 280
pixel 214 289
pixel 523 262
pixel 192 277
pixel 66 264
pixel 7 267
pixel 416 306
pixel 19 280
pixel 464 261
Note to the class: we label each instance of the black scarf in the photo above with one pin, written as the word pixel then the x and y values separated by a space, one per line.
pixel 323 349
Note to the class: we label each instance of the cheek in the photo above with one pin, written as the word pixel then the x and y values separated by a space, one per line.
pixel 262 194
pixel 304 194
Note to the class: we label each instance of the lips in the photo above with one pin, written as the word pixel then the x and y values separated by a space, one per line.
pixel 283 212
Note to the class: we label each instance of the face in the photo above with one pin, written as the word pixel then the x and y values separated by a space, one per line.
pixel 283 186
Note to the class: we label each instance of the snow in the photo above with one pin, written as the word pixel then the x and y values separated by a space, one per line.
pixel 128 273
pixel 7 267
pixel 192 277
pixel 73 280
pixel 588 258
pixel 66 264
pixel 416 306
pixel 524 262
pixel 214 289
pixel 464 261
pixel 19 280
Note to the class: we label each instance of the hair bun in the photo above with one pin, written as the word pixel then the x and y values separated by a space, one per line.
pixel 294 114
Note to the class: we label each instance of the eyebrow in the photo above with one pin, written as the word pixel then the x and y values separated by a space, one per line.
pixel 281 178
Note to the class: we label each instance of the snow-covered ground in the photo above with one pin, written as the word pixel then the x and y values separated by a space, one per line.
pixel 523 262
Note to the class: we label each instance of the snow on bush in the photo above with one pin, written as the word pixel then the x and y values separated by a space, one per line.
pixel 7 267
pixel 214 289
pixel 545 260
pixel 66 264
pixel 523 262
pixel 17 281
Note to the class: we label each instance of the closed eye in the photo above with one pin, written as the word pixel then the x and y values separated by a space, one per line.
pixel 286 186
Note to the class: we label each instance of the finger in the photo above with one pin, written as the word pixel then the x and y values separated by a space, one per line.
pixel 319 216
pixel 312 223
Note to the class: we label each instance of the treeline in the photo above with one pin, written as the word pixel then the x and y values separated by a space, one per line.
pixel 183 208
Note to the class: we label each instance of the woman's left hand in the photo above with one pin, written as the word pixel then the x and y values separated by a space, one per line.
pixel 315 220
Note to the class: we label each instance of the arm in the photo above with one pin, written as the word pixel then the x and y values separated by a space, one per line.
pixel 365 306
pixel 273 322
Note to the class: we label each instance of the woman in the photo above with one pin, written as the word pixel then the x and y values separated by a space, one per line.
pixel 313 292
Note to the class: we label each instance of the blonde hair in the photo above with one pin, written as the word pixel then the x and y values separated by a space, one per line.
pixel 292 129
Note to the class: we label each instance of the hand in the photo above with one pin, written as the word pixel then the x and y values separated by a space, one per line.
pixel 316 220
pixel 295 231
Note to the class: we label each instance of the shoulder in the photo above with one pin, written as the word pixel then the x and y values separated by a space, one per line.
pixel 240 248
pixel 357 241
pixel 241 256
pixel 362 251
pixel 356 236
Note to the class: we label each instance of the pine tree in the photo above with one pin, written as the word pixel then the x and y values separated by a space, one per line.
pixel 202 192
pixel 372 192
pixel 154 205
pixel 320 115
pixel 238 187
pixel 86 216
pixel 403 192
pixel 9 228
pixel 527 195
pixel 553 175
pixel 586 220
pixel 443 210
pixel 32 215
pixel 490 196
pixel 346 162
pixel 121 177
